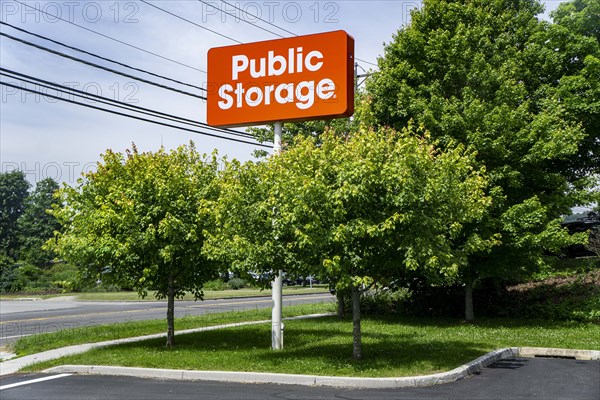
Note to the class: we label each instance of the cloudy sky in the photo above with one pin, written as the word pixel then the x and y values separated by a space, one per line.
pixel 50 138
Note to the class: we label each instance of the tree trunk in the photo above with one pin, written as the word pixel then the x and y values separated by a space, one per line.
pixel 469 313
pixel 170 313
pixel 357 344
pixel 341 305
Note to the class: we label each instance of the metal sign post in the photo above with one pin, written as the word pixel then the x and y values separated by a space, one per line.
pixel 277 286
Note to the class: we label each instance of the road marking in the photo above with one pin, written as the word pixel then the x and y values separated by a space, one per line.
pixel 77 316
pixel 32 381
pixel 10 337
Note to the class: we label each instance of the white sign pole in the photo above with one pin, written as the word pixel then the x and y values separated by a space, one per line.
pixel 276 320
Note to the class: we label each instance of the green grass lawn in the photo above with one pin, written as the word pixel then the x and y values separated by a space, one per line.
pixel 10 297
pixel 392 346
pixel 92 334
pixel 208 294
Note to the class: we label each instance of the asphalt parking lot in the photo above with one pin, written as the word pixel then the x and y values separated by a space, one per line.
pixel 514 379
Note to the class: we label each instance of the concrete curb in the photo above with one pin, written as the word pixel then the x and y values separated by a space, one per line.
pixel 14 365
pixel 563 353
pixel 330 381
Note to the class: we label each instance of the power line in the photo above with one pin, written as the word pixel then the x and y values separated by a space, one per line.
pixel 248 22
pixel 115 103
pixel 270 23
pixel 191 22
pixel 132 116
pixel 242 19
pixel 58 53
pixel 366 62
pixel 259 18
pixel 101 57
pixel 110 37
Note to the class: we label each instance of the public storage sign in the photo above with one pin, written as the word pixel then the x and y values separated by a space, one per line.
pixel 292 79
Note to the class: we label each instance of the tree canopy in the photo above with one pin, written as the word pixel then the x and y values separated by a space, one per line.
pixel 36 225
pixel 139 221
pixel 360 210
pixel 520 92
pixel 13 191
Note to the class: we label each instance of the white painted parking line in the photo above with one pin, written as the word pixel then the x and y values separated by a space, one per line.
pixel 32 381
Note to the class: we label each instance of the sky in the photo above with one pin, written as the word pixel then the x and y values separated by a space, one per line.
pixel 49 138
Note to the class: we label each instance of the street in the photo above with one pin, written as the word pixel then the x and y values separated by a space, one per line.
pixel 23 318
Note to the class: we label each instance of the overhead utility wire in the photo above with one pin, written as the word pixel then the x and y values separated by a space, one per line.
pixel 114 71
pixel 248 22
pixel 101 57
pixel 259 18
pixel 132 116
pixel 270 23
pixel 115 103
pixel 233 15
pixel 191 22
pixel 110 37
pixel 75 92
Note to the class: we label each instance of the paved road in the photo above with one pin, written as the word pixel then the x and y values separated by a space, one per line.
pixel 514 379
pixel 23 318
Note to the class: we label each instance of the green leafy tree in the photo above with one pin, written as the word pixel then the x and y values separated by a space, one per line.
pixel 13 191
pixel 491 76
pixel 36 225
pixel 576 33
pixel 248 233
pixel 581 16
pixel 315 128
pixel 362 209
pixel 139 220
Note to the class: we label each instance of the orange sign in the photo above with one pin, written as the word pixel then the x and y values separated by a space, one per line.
pixel 293 79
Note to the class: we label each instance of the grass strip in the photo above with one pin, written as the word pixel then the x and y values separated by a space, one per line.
pixel 208 294
pixel 92 334
pixel 391 346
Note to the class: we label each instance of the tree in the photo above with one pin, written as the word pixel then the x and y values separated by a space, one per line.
pixel 36 225
pixel 315 128
pixel 490 76
pixel 581 16
pixel 139 221
pixel 362 209
pixel 13 191
pixel 594 241
pixel 577 32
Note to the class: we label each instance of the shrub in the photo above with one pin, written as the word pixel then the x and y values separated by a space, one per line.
pixel 63 276
pixel 575 298
pixel 215 284
pixel 378 302
pixel 564 295
pixel 236 283
pixel 25 277
pixel 8 275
